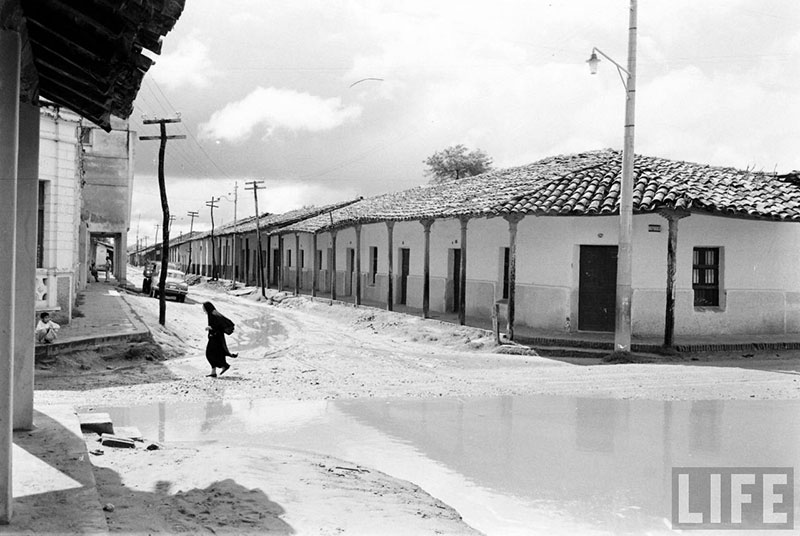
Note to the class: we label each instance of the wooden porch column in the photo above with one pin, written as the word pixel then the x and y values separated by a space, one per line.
pixel 27 203
pixel 296 264
pixel 267 262
pixel 9 151
pixel 390 254
pixel 314 267
pixel 426 269
pixel 358 265
pixel 462 298
pixel 281 262
pixel 333 265
pixel 513 220
pixel 672 218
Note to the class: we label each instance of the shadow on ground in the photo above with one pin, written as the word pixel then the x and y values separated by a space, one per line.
pixel 222 507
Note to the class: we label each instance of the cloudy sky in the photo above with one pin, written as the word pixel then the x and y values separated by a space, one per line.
pixel 270 91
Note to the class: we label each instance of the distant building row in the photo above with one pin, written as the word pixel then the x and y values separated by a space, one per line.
pixel 540 242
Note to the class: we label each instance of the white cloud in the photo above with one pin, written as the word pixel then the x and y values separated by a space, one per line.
pixel 189 65
pixel 274 108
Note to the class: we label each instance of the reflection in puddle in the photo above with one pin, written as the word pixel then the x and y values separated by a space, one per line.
pixel 537 464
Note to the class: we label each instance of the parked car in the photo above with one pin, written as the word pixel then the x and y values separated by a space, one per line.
pixel 147 277
pixel 174 285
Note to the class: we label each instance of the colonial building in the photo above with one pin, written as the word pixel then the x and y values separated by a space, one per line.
pixel 92 63
pixel 714 248
pixel 58 212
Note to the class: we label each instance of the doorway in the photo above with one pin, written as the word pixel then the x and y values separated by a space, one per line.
pixel 405 264
pixel 597 287
pixel 350 268
pixel 454 280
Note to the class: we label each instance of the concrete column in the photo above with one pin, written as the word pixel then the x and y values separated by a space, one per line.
pixel 9 151
pixel 27 207
pixel 121 268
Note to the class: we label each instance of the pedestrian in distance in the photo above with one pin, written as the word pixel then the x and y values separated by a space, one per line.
pixel 46 329
pixel 108 266
pixel 217 349
pixel 93 271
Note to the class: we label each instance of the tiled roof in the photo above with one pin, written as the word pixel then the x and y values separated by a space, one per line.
pixel 269 222
pixel 580 184
pixel 663 184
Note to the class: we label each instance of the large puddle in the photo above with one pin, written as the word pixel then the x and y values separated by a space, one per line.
pixel 510 465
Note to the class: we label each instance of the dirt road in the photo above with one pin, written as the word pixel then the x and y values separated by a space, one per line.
pixel 303 349
pixel 296 348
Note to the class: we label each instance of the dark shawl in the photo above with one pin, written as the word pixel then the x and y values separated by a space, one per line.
pixel 217 348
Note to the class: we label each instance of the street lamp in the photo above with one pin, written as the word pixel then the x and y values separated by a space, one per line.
pixel 622 326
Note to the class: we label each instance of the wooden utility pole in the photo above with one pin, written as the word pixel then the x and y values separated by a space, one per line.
pixel 214 272
pixel 255 186
pixel 162 304
pixel 193 214
pixel 234 263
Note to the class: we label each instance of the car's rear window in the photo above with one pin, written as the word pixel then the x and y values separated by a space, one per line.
pixel 176 275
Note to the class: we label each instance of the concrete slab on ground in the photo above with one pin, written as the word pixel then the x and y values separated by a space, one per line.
pixel 53 478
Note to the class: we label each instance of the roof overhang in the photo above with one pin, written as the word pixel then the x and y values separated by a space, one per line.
pixel 87 55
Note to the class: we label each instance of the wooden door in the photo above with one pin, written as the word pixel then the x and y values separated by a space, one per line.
pixel 405 268
pixel 597 288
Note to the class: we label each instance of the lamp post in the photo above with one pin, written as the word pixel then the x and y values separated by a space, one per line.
pixel 622 329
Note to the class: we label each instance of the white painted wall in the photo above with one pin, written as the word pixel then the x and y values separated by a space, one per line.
pixel 760 280
pixel 58 167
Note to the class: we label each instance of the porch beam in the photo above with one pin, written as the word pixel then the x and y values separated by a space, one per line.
pixel 462 297
pixel 426 269
pixel 390 271
pixel 513 221
pixel 672 218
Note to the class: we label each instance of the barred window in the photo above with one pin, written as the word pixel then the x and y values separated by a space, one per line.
pixel 705 277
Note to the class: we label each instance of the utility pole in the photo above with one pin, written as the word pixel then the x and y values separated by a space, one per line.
pixel 193 214
pixel 136 257
pixel 255 186
pixel 235 231
pixel 162 304
pixel 214 271
pixel 155 240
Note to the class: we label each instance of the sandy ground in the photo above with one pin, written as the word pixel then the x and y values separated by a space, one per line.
pixel 296 348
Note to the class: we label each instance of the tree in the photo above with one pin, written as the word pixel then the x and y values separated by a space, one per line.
pixel 455 162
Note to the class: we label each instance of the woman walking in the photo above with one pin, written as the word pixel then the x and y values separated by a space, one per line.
pixel 217 348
